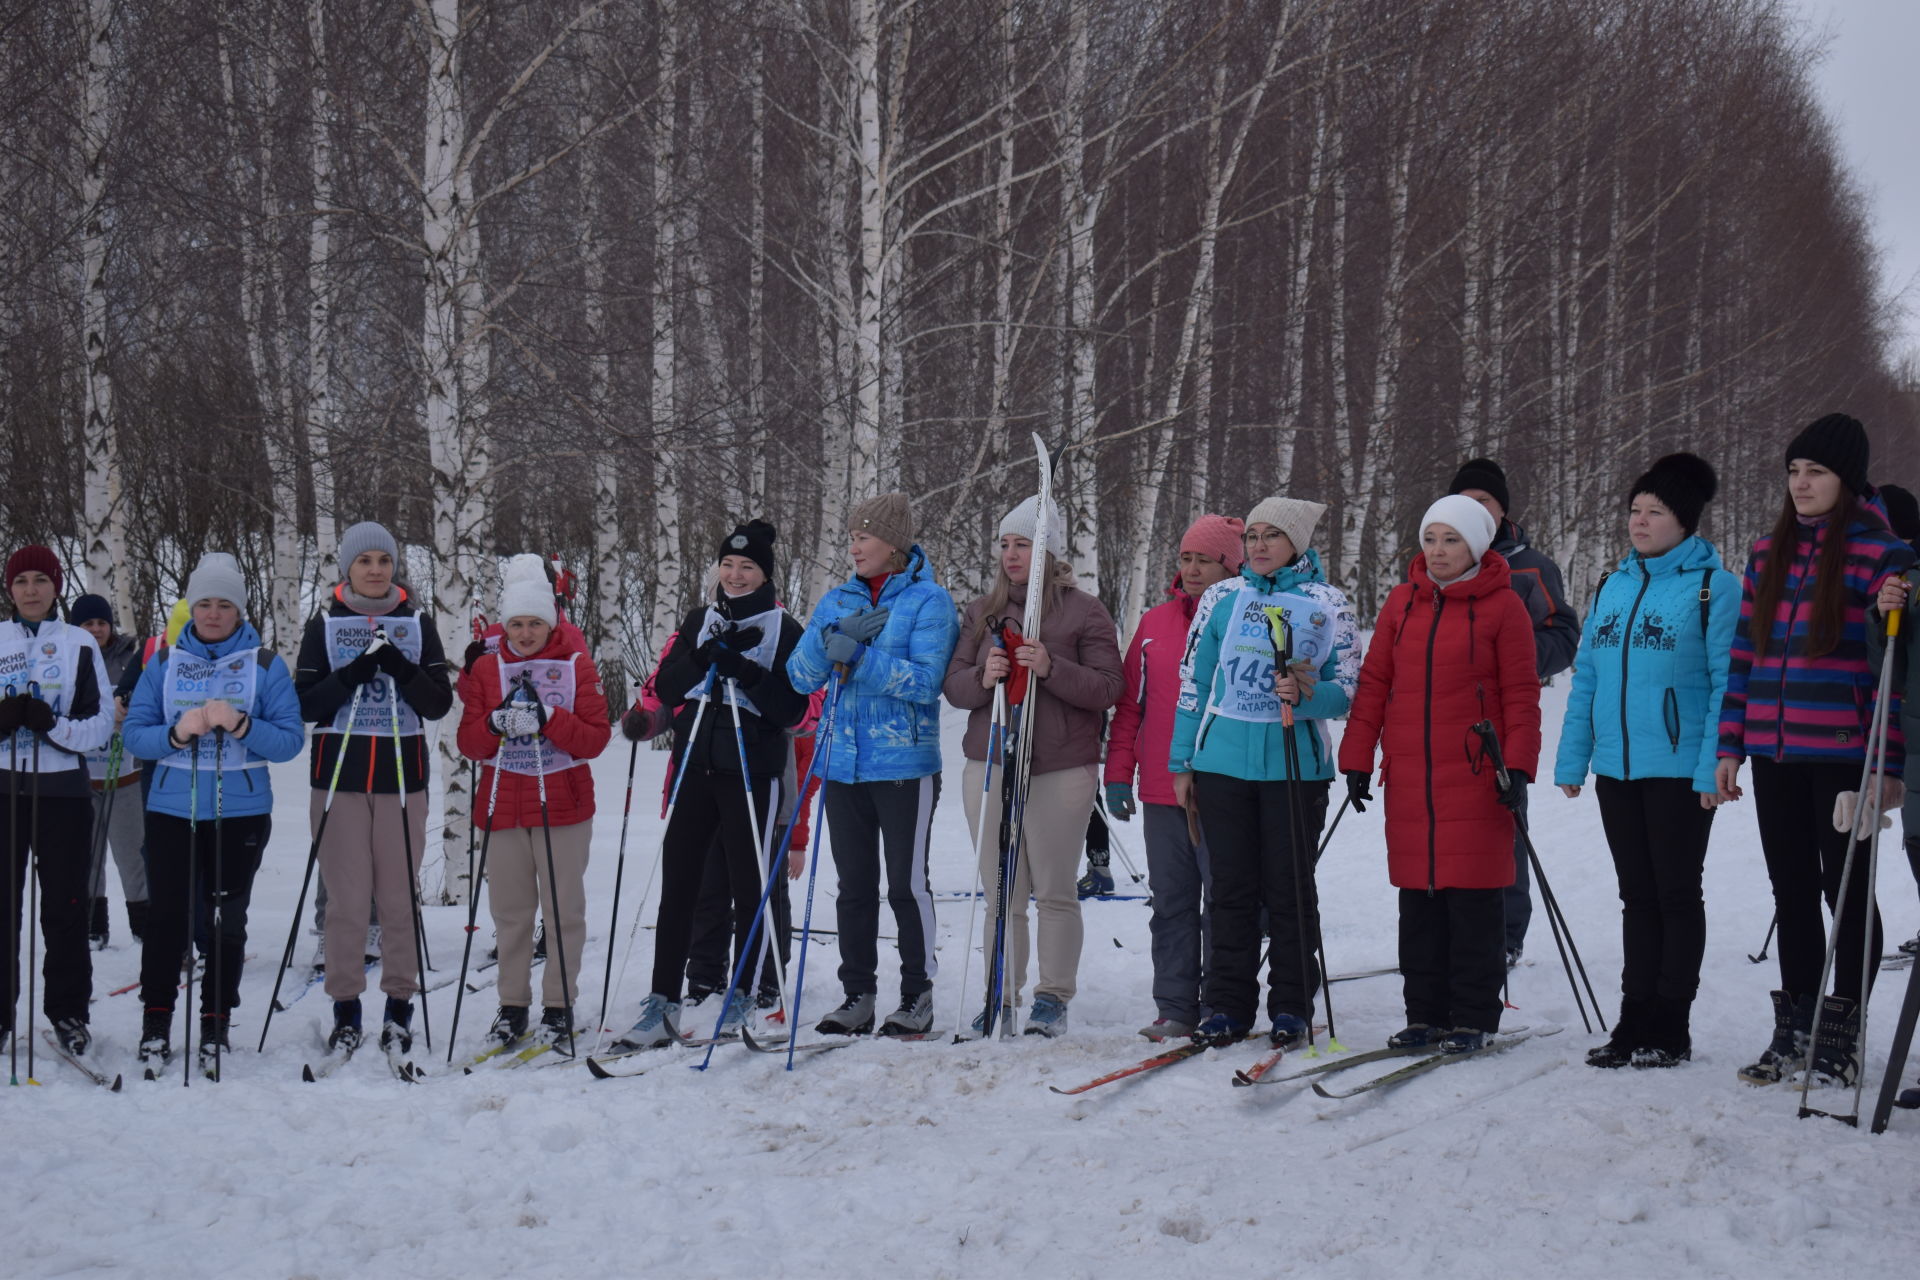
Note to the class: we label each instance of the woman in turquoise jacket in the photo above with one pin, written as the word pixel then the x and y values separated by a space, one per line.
pixel 890 630
pixel 1643 716
pixel 1230 764
pixel 214 710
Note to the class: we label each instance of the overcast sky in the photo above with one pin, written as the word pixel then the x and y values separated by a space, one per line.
pixel 1870 79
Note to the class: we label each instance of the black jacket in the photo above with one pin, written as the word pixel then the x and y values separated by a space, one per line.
pixel 369 763
pixel 780 707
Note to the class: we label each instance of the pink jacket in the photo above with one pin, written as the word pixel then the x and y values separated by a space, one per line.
pixel 1142 729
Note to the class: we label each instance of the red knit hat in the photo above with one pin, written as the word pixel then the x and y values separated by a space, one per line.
pixel 27 559
pixel 1217 537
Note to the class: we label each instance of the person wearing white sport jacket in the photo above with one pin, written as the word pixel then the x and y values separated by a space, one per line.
pixel 55 709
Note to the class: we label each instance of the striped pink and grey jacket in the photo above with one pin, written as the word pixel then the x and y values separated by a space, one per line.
pixel 1792 708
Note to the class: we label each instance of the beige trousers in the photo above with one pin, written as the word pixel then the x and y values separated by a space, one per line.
pixel 1058 805
pixel 363 861
pixel 516 863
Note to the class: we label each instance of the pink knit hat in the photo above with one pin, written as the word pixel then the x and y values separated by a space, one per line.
pixel 1218 537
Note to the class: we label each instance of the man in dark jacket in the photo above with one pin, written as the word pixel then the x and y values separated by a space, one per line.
pixel 1556 635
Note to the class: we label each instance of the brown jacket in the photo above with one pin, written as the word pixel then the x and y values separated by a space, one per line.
pixel 1070 716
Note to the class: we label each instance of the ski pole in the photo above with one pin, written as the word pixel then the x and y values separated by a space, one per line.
pixel 33 898
pixel 1768 940
pixel 413 882
pixel 821 759
pixel 996 726
pixel 313 855
pixel 13 898
pixel 473 902
pixel 646 891
pixel 193 910
pixel 1280 636
pixel 557 925
pixel 767 930
pixel 1898 1053
pixel 473 784
pixel 619 875
pixel 218 927
pixel 97 884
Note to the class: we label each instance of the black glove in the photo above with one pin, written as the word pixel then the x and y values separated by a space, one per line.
pixel 475 651
pixel 360 670
pixel 740 639
pixel 35 715
pixel 737 667
pixel 634 725
pixel 1358 794
pixel 396 664
pixel 10 713
pixel 1516 789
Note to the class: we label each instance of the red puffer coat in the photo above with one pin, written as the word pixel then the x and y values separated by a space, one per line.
pixel 1441 661
pixel 582 733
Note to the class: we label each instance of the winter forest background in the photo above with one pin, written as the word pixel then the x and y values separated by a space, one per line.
pixel 600 279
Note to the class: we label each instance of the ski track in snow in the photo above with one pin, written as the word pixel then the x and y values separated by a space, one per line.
pixel 942 1160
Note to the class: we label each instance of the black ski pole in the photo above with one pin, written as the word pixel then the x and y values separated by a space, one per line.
pixel 217 929
pixel 13 901
pixel 1280 635
pixel 193 910
pixel 473 903
pixel 619 874
pixel 1902 1047
pixel 421 959
pixel 33 901
pixel 1768 940
pixel 556 924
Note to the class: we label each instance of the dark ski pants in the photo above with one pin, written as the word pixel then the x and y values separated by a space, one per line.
pixel 1254 864
pixel 710 816
pixel 61 852
pixel 1451 962
pixel 866 822
pixel 223 898
pixel 1517 898
pixel 1178 873
pixel 1658 834
pixel 713 931
pixel 1805 858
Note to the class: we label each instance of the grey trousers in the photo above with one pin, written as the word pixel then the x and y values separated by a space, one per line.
pixel 126 833
pixel 1179 875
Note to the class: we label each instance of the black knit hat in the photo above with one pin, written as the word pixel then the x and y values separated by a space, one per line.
pixel 1683 482
pixel 1483 474
pixel 1903 511
pixel 754 540
pixel 1839 444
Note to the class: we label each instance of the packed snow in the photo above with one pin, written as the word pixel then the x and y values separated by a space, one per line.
pixel 937 1159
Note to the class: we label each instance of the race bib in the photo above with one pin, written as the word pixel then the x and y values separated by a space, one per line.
pixel 553 683
pixel 41 666
pixel 347 638
pixel 1244 688
pixel 192 682
pixel 761 655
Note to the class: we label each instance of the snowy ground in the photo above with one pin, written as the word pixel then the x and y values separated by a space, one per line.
pixel 945 1160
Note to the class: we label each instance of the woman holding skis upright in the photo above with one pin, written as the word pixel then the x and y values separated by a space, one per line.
pixel 371 673
pixel 214 709
pixel 1453 648
pixel 1073 672
pixel 1644 717
pixel 534 716
pixel 55 706
pixel 1139 741
pixel 884 636
pixel 1800 699
pixel 1271 654
pixel 724 681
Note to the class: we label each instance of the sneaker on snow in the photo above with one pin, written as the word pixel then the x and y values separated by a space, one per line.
pixel 509 1025
pixel 555 1024
pixel 914 1017
pixel 345 1037
pixel 373 944
pixel 396 1027
pixel 1462 1040
pixel 854 1017
pixel 97 931
pixel 1001 1025
pixel 657 1025
pixel 73 1035
pixel 1220 1028
pixel 1289 1031
pixel 1097 883
pixel 739 1009
pixel 1048 1017
pixel 1167 1029
pixel 1415 1035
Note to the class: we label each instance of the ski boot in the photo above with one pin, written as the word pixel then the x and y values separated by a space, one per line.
pixel 1416 1035
pixel 1462 1040
pixel 1792 1026
pixel 854 1017
pixel 156 1026
pixel 914 1017
pixel 1167 1029
pixel 396 1027
pixel 73 1035
pixel 657 1025
pixel 1620 1047
pixel 1836 1048
pixel 509 1025
pixel 213 1044
pixel 556 1027
pixel 372 954
pixel 1218 1029
pixel 1289 1031
pixel 345 1037
pixel 1097 883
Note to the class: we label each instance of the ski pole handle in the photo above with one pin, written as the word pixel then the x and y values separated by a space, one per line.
pixel 1490 743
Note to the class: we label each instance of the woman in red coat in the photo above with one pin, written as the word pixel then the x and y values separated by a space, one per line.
pixel 1453 647
pixel 535 715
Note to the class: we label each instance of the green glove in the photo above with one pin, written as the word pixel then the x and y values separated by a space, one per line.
pixel 1120 800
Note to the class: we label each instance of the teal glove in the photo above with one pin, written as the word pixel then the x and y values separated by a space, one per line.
pixel 1120 800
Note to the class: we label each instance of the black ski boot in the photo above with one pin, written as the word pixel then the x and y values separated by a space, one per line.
pixel 72 1034
pixel 1836 1049
pixel 1618 1051
pixel 509 1025
pixel 345 1037
pixel 213 1043
pixel 396 1029
pixel 156 1026
pixel 98 931
pixel 1666 1039
pixel 1792 1025
pixel 556 1026
pixel 540 942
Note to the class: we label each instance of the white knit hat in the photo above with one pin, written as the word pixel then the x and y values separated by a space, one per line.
pixel 1294 517
pixel 217 577
pixel 525 567
pixel 525 591
pixel 1020 523
pixel 1473 522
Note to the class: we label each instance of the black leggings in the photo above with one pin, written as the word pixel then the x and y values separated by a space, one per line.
pixel 1658 833
pixel 164 946
pixel 710 804
pixel 61 851
pixel 1805 857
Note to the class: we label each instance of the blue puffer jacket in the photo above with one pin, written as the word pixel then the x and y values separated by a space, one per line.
pixel 1648 678
pixel 886 725
pixel 277 733
pixel 1205 740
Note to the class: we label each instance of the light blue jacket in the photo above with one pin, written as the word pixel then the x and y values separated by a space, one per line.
pixel 276 734
pixel 1649 676
pixel 1206 741
pixel 886 726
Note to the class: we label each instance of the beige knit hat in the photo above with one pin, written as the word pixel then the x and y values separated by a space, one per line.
pixel 887 517
pixel 1294 517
